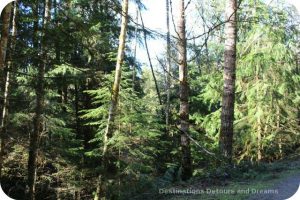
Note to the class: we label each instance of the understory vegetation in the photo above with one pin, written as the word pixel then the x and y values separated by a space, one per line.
pixel 84 117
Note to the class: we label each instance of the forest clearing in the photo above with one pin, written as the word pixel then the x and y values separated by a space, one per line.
pixel 97 104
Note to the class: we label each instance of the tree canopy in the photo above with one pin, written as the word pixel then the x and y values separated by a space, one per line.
pixel 83 117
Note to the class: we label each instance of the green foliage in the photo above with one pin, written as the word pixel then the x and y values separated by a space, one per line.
pixel 81 46
pixel 267 87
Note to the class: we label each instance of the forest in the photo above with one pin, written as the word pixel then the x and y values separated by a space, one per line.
pixel 84 116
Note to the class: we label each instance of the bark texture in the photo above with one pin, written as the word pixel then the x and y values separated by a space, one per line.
pixel 186 164
pixel 5 84
pixel 39 109
pixel 5 18
pixel 227 115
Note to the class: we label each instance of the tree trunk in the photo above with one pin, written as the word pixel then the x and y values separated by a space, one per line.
pixel 227 115
pixel 4 34
pixel 106 161
pixel 150 62
pixel 116 85
pixel 168 79
pixel 6 73
pixel 57 44
pixel 135 47
pixel 134 60
pixel 39 110
pixel 184 96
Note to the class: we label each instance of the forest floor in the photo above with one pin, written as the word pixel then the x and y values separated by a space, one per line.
pixel 275 181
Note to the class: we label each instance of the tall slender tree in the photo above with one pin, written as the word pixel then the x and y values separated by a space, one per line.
pixel 135 46
pixel 114 101
pixel 6 67
pixel 168 78
pixel 117 81
pixel 186 162
pixel 39 109
pixel 227 115
pixel 150 62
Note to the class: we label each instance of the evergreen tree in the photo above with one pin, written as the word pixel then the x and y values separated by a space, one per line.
pixel 227 115
pixel 184 96
pixel 166 127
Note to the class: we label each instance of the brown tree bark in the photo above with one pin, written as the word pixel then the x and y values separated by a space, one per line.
pixel 186 163
pixel 227 115
pixel 5 18
pixel 39 109
pixel 6 73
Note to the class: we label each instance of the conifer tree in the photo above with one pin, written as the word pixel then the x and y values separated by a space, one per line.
pixel 39 109
pixel 186 162
pixel 4 69
pixel 227 116
pixel 117 81
pixel 168 70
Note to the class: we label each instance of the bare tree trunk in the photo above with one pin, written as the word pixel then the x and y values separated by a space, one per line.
pixel 227 116
pixel 186 163
pixel 4 34
pixel 99 188
pixel 39 110
pixel 168 66
pixel 116 86
pixel 57 44
pixel 150 62
pixel 5 18
pixel 134 57
pixel 135 47
pixel 6 73
pixel 107 163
